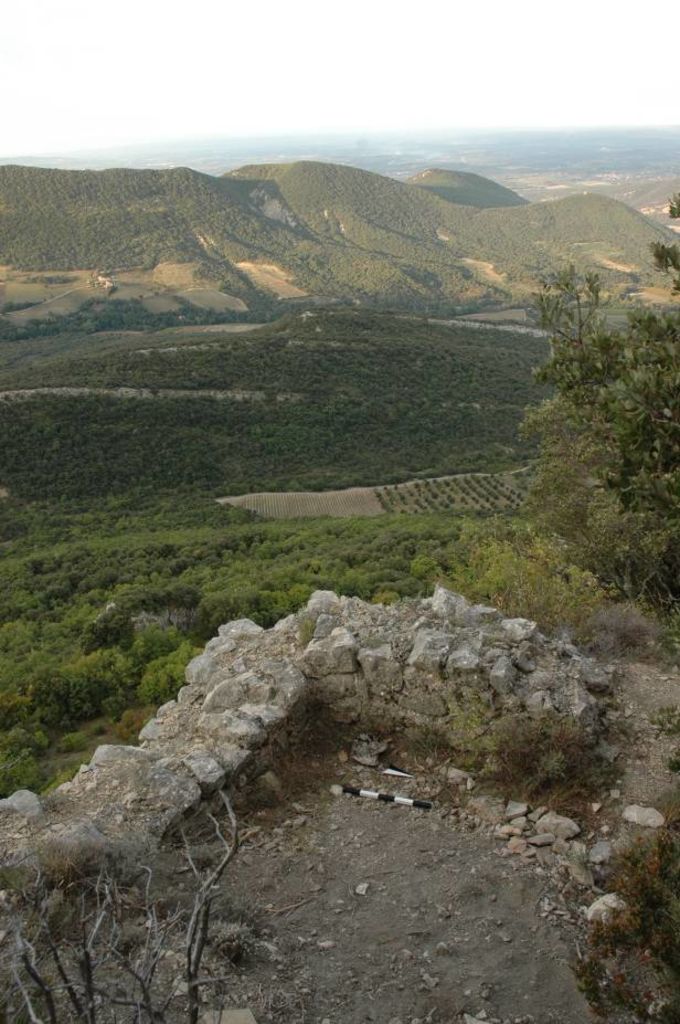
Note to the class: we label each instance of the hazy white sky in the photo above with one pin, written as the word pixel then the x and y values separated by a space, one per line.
pixel 88 73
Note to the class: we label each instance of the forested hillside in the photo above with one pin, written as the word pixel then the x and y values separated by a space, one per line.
pixel 466 188
pixel 324 230
pixel 315 400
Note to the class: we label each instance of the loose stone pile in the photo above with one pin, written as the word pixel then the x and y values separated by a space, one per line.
pixel 433 661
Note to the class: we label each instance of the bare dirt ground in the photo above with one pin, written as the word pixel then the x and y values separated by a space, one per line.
pixel 624 268
pixel 644 690
pixel 372 912
pixel 382 912
pixel 486 269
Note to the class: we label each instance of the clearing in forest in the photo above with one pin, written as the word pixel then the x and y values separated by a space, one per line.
pixel 210 298
pixel 624 268
pixel 272 278
pixel 354 501
pixel 68 302
pixel 465 492
pixel 486 269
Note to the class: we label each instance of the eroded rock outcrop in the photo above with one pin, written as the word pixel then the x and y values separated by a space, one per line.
pixel 416 662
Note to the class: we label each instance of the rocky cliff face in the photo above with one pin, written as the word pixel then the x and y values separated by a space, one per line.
pixel 437 661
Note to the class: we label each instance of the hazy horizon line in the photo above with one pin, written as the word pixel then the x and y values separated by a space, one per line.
pixel 358 135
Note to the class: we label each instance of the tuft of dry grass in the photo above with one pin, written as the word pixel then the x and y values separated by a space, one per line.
pixel 623 629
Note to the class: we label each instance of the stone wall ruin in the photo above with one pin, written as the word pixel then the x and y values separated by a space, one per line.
pixel 435 661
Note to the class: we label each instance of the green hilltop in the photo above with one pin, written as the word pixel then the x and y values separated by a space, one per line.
pixel 466 188
pixel 333 232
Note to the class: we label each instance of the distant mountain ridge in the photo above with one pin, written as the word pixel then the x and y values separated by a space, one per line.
pixel 309 228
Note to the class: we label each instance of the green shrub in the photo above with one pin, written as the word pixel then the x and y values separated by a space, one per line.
pixel 633 961
pixel 18 771
pixel 71 742
pixel 523 573
pixel 131 722
pixel 164 676
pixel 671 634
pixel 668 720
pixel 65 774
pixel 547 757
pixel 424 568
pixel 112 627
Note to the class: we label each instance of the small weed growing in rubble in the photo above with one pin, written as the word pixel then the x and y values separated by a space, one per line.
pixel 669 805
pixel 428 741
pixel 306 631
pixel 668 720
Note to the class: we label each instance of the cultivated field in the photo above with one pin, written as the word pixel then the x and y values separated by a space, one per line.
pixel 354 501
pixel 160 290
pixel 166 302
pixel 465 492
pixel 272 278
pixel 500 316
pixel 210 298
pixel 60 305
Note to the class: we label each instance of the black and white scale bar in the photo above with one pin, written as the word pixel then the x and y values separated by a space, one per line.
pixel 371 794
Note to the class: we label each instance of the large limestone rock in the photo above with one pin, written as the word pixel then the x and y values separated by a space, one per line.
pixel 126 785
pixel 208 772
pixel 502 675
pixel 240 629
pixel 336 654
pixel 573 699
pixel 452 607
pixel 246 687
pixel 23 802
pixel 233 728
pixel 118 754
pixel 430 651
pixel 464 661
pixel 289 682
pixel 153 730
pixel 558 825
pixel 516 630
pixel 324 602
pixel 604 907
pixel 325 624
pixel 647 817
pixel 205 668
pixel 382 671
pixel 201 669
